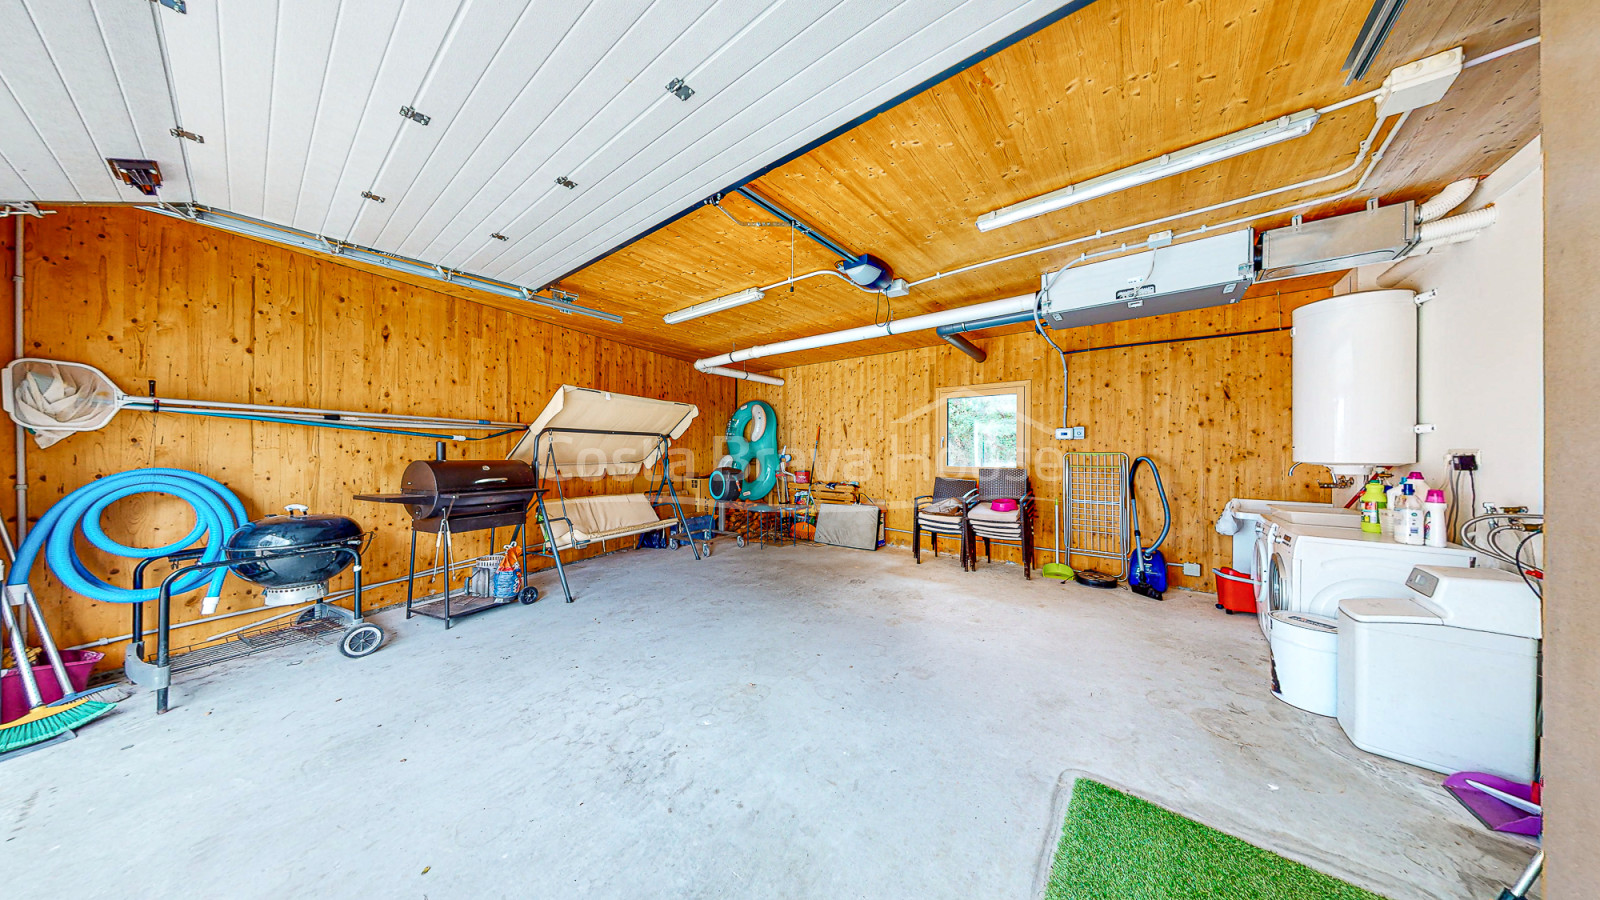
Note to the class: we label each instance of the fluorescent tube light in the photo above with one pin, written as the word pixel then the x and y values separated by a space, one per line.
pixel 749 295
pixel 1216 150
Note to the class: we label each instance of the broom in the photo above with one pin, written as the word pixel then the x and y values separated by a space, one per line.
pixel 42 722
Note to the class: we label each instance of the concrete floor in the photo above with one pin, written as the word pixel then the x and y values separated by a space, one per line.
pixel 783 722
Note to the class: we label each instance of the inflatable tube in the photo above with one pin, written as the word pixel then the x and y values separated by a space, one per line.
pixel 760 447
pixel 218 513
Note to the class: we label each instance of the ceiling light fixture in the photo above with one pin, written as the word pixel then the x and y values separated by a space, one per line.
pixel 1216 150
pixel 749 295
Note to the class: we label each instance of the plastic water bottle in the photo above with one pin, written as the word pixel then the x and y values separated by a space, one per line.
pixel 1433 523
pixel 1409 527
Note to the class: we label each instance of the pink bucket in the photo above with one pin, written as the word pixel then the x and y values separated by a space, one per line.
pixel 14 699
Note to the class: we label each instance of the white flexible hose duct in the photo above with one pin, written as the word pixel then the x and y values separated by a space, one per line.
pixel 1466 223
pixel 712 365
pixel 1453 195
pixel 1423 249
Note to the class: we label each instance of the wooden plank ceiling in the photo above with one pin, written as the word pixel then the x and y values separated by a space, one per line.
pixel 1113 84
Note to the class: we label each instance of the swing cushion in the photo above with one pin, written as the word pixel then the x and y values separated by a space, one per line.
pixel 604 517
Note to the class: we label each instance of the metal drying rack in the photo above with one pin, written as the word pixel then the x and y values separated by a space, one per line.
pixel 1094 501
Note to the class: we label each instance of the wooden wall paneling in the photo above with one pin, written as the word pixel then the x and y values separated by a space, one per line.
pixel 1213 414
pixel 214 316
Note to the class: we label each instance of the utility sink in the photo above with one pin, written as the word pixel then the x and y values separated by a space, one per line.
pixel 1325 514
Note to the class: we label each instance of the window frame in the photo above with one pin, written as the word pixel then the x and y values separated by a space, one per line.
pixel 942 398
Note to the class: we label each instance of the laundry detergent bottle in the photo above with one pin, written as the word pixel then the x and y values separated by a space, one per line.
pixel 1408 523
pixel 1433 523
pixel 1372 506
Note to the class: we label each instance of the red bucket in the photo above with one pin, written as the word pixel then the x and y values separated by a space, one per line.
pixel 14 699
pixel 1236 591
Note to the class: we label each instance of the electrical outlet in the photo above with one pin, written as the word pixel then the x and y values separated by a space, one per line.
pixel 1463 460
pixel 1192 570
pixel 1074 433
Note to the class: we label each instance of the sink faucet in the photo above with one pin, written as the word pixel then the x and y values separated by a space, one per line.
pixel 1338 483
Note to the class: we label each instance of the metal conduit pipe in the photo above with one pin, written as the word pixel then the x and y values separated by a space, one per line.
pixel 17 348
pixel 960 342
pixel 980 324
pixel 832 245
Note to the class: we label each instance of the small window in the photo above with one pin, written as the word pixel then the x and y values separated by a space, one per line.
pixel 982 426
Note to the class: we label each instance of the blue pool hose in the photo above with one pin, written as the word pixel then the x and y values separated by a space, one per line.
pixel 218 513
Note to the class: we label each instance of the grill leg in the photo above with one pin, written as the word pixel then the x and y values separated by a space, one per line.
pixel 446 577
pixel 411 573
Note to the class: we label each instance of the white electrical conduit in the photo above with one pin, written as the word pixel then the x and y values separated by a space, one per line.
pixel 973 313
pixel 1453 195
pixel 1024 303
pixel 1322 110
pixel 1010 305
pixel 741 375
pixel 1361 155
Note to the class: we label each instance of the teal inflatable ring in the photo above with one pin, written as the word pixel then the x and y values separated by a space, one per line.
pixel 760 447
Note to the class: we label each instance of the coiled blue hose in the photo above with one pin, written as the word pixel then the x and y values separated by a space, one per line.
pixel 217 512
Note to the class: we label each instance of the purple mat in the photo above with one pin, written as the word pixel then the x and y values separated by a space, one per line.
pixel 1496 815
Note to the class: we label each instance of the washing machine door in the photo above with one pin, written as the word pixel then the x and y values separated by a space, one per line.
pixel 1266 537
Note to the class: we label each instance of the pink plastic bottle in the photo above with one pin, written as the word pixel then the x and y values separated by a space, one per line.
pixel 1433 523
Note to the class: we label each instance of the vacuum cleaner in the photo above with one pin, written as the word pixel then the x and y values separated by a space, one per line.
pixel 1147 566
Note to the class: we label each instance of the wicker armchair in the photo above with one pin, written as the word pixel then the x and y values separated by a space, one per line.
pixel 924 522
pixel 1016 525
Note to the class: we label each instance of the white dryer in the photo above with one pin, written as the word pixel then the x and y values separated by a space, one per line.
pixel 1310 568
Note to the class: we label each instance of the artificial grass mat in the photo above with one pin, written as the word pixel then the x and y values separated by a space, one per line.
pixel 1118 847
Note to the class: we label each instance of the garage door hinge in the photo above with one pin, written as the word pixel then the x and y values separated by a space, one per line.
pixel 179 132
pixel 415 116
pixel 177 6
pixel 374 197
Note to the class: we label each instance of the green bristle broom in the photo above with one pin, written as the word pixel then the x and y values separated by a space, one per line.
pixel 42 721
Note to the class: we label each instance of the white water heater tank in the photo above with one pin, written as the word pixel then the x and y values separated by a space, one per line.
pixel 1355 381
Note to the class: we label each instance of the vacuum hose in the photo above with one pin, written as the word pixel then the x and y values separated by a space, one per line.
pixel 217 512
pixel 1133 503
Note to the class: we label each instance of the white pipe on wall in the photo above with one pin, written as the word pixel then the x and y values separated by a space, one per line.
pixel 17 291
pixel 736 373
pixel 1023 303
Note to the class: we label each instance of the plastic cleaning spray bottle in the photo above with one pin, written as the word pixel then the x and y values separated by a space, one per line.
pixel 1433 524
pixel 1372 504
pixel 1408 525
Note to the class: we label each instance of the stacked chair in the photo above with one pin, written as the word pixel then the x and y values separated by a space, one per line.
pixel 1014 522
pixel 963 493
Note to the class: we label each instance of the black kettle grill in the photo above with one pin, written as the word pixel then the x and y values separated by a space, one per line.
pixel 293 557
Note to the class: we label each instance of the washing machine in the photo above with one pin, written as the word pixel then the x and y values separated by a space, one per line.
pixel 1309 568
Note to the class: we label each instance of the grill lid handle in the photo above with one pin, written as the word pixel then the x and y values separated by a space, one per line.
pixel 297 509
